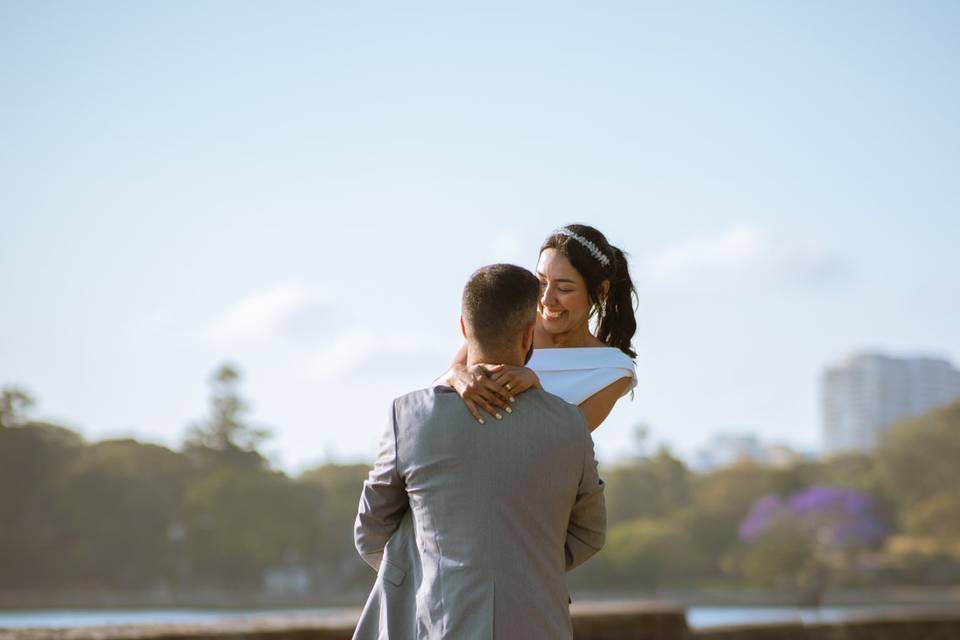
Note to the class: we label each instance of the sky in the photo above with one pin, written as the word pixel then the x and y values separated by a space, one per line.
pixel 302 189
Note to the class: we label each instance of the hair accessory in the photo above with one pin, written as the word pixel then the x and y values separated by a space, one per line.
pixel 592 248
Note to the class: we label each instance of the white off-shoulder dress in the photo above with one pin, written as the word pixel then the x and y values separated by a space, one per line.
pixel 576 373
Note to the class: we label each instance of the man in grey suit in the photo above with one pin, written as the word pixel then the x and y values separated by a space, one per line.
pixel 471 527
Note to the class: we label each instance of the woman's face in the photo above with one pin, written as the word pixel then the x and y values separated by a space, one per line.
pixel 564 304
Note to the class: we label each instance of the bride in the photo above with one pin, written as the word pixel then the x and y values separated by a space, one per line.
pixel 583 278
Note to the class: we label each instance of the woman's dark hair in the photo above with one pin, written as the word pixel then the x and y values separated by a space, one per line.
pixel 597 260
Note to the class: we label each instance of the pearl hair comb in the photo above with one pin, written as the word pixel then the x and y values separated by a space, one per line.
pixel 589 246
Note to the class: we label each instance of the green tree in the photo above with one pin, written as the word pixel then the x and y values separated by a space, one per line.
pixel 851 470
pixel 935 517
pixel 14 404
pixel 646 487
pixel 335 491
pixel 32 462
pixel 782 558
pixel 226 437
pixel 240 521
pixel 721 499
pixel 918 458
pixel 121 501
pixel 648 554
pixel 917 464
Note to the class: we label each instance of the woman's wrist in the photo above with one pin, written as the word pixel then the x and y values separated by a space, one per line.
pixel 536 379
pixel 448 377
pixel 454 374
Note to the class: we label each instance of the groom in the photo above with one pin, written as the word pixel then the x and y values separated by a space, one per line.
pixel 472 527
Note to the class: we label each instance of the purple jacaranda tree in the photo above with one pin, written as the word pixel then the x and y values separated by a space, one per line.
pixel 817 531
pixel 842 518
pixel 766 513
pixel 836 517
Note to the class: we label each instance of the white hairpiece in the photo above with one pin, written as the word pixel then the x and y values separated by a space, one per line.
pixel 592 248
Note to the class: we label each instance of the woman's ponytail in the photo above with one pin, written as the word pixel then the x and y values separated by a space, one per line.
pixel 617 322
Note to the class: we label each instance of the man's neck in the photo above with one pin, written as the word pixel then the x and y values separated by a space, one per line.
pixel 476 355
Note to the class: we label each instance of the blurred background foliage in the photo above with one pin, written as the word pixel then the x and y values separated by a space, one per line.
pixel 125 515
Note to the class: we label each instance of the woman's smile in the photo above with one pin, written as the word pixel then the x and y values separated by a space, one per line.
pixel 564 305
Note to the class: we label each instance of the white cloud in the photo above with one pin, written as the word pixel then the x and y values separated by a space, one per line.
pixel 263 315
pixel 359 347
pixel 742 255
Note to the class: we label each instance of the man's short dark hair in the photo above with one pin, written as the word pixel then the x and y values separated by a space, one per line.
pixel 500 301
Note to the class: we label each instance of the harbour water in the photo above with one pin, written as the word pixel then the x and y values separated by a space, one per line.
pixel 697 617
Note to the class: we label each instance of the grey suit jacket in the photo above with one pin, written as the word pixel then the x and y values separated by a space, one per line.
pixel 472 527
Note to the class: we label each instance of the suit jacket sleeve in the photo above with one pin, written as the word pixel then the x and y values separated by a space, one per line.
pixel 587 529
pixel 383 501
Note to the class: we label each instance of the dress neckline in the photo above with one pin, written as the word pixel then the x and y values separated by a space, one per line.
pixel 582 355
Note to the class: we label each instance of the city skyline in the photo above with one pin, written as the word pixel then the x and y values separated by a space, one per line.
pixel 303 190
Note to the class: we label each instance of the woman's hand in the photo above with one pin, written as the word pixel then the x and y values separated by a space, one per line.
pixel 475 385
pixel 514 379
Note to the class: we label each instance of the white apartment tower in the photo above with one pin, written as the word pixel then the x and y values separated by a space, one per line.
pixel 863 395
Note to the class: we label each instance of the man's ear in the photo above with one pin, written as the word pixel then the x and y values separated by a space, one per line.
pixel 463 327
pixel 528 337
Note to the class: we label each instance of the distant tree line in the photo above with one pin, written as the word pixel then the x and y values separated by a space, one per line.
pixel 121 514
pixel 891 517
pixel 125 515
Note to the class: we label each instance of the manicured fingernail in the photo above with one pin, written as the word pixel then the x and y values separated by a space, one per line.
pixel 512 399
pixel 508 410
pixel 481 420
pixel 499 417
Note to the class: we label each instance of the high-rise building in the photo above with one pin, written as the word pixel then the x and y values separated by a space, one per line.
pixel 863 395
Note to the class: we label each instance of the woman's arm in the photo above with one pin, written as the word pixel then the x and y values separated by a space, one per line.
pixel 475 386
pixel 597 407
pixel 459 361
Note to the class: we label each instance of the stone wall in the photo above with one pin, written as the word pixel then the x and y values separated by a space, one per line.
pixel 591 621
